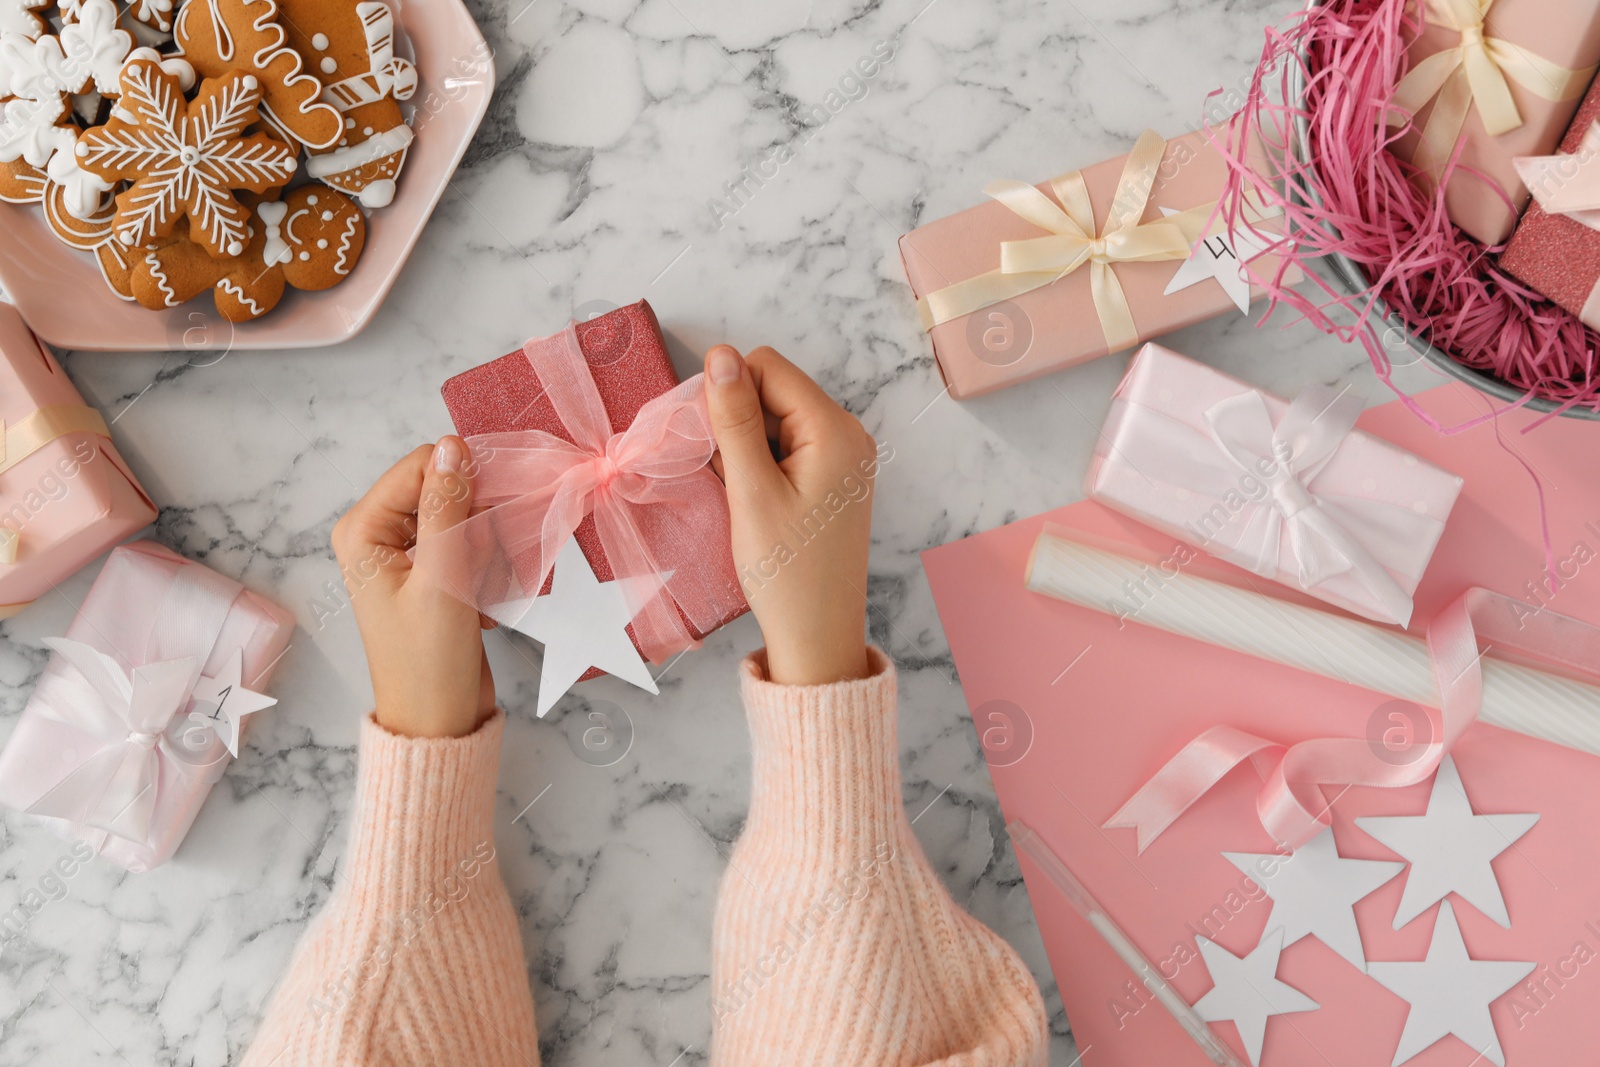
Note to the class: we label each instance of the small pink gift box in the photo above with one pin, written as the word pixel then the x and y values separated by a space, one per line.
pixel 1061 323
pixel 128 773
pixel 1510 42
pixel 1292 492
pixel 65 494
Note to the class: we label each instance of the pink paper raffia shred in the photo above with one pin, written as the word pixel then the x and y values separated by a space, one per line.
pixel 1364 204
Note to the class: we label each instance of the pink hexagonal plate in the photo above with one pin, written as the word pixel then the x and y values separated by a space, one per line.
pixel 64 299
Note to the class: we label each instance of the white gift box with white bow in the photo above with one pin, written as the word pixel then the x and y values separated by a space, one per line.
pixel 1288 491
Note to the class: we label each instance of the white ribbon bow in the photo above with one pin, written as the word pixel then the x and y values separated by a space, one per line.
pixel 1569 183
pixel 1287 457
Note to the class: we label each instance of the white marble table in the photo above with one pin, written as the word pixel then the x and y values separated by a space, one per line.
pixel 616 128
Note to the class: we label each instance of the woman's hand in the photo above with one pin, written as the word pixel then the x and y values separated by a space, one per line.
pixel 430 677
pixel 802 525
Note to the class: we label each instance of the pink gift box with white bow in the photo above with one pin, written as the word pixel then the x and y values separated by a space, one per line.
pixel 138 712
pixel 1289 491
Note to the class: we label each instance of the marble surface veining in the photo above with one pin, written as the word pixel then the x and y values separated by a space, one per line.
pixel 602 174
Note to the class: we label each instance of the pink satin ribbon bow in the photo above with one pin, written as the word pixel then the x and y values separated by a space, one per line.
pixel 657 509
pixel 129 720
pixel 1290 804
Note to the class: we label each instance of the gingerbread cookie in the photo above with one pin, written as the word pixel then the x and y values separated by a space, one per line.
pixel 185 159
pixel 86 53
pixel 219 36
pixel 350 46
pixel 21 17
pixel 309 240
pixel 29 129
pixel 22 184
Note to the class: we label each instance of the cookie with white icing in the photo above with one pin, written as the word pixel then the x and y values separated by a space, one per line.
pixel 23 184
pixel 309 240
pixel 349 46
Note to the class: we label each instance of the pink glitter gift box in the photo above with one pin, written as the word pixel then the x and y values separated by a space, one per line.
pixel 628 362
pixel 1291 492
pixel 123 760
pixel 66 495
pixel 1059 324
pixel 1555 253
pixel 1503 37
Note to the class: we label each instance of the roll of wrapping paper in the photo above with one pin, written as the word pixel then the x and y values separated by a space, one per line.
pixel 1516 697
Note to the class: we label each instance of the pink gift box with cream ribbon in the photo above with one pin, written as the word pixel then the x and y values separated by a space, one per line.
pixel 66 495
pixel 72 755
pixel 1291 492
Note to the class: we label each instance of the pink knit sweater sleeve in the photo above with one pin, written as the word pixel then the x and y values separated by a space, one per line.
pixel 417 957
pixel 834 940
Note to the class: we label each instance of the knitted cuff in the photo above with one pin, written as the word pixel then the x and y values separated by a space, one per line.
pixel 424 810
pixel 826 768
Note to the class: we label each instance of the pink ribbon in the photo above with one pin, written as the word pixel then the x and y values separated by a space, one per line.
pixel 657 509
pixel 1568 183
pixel 1290 803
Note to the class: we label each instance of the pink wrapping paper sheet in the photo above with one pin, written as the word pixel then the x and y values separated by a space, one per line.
pixel 1060 319
pixel 1098 709
pixel 1567 34
pixel 1145 466
pixel 72 499
pixel 117 617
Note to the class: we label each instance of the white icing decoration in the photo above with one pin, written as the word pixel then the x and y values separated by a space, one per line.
pixel 235 249
pixel 154 265
pixel 88 51
pixel 18 17
pixel 276 251
pixel 305 256
pixel 312 199
pixel 236 290
pixel 157 13
pixel 367 132
pixel 377 194
pixel 220 32
pixel 349 124
pixel 322 242
pixel 176 66
pixel 319 41
pixel 342 267
pixel 82 192
pixel 28 130
pixel 275 55
pixel 250 82
pixel 380 145
pixel 327 216
pixel 329 65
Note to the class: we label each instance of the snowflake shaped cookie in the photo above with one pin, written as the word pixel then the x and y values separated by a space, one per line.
pixel 86 53
pixel 28 130
pixel 186 160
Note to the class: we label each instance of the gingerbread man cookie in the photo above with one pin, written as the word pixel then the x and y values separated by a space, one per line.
pixel 219 36
pixel 185 159
pixel 310 240
pixel 349 44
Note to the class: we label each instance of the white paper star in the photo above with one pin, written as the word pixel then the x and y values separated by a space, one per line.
pixel 1451 850
pixel 582 623
pixel 228 700
pixel 1449 993
pixel 1246 991
pixel 1314 890
pixel 1221 256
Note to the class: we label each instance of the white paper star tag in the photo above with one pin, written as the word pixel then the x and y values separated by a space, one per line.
pixel 1314 891
pixel 1221 256
pixel 224 700
pixel 1449 993
pixel 1246 992
pixel 582 623
pixel 1451 850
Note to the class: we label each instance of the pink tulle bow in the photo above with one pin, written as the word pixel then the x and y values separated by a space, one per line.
pixel 1290 804
pixel 657 509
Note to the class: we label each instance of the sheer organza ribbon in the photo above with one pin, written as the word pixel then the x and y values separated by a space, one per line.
pixel 1073 243
pixel 24 437
pixel 658 509
pixel 1475 72
pixel 1290 804
pixel 128 721
pixel 1567 184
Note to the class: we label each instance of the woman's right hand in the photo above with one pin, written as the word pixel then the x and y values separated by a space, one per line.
pixel 801 525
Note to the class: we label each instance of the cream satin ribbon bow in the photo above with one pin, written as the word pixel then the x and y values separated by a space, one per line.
pixel 1567 184
pixel 1072 243
pixel 21 439
pixel 1475 71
